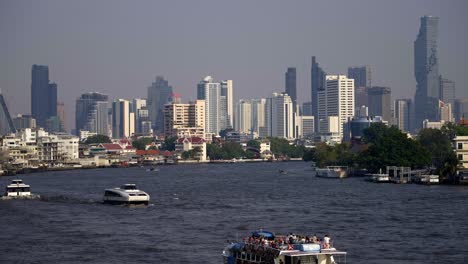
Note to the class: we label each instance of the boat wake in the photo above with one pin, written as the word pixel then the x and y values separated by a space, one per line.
pixel 68 199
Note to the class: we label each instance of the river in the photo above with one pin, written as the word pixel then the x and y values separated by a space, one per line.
pixel 196 208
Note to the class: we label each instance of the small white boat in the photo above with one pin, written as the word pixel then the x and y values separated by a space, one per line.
pixel 380 177
pixel 126 194
pixel 332 172
pixel 429 179
pixel 17 189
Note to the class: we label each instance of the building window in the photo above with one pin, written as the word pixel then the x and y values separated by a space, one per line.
pixel 460 145
pixel 460 156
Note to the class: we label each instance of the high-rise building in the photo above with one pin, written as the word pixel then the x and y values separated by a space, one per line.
pixel 461 109
pixel 159 94
pixel 24 121
pixel 123 121
pixel 317 84
pixel 336 104
pixel 244 122
pixel 43 95
pixel 361 96
pixel 291 86
pixel 361 76
pixel 61 113
pixel 447 92
pixel 142 118
pixel 304 126
pixel 402 114
pixel 92 113
pixel 210 91
pixel 306 109
pixel 380 102
pixel 185 120
pixel 279 116
pixel 426 71
pixel 445 112
pixel 227 107
pixel 6 123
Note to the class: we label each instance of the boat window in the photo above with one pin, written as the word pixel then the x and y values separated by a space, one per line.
pixel 129 187
pixel 132 194
pixel 111 194
pixel 141 194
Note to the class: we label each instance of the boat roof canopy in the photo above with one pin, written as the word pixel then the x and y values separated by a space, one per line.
pixel 265 234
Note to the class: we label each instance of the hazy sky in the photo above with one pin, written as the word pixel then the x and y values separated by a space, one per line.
pixel 118 47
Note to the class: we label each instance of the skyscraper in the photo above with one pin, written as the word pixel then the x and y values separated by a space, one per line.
pixel 447 92
pixel 461 109
pixel 227 108
pixel 402 114
pixel 91 113
pixel 290 85
pixel 361 76
pixel 61 112
pixel 379 102
pixel 43 95
pixel 210 91
pixel 317 84
pixel 159 94
pixel 426 71
pixel 244 122
pixel 123 121
pixel 6 123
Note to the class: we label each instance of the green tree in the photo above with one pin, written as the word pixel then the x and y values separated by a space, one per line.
pixel 214 151
pixel 388 146
pixel 253 144
pixel 438 144
pixel 141 143
pixel 97 139
pixel 169 144
pixel 232 150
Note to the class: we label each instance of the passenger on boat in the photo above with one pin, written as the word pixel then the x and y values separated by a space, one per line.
pixel 326 241
pixel 315 239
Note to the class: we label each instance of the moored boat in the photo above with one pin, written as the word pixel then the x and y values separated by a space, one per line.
pixel 126 194
pixel 332 172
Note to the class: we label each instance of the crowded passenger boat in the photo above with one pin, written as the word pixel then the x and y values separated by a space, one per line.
pixel 267 248
pixel 17 189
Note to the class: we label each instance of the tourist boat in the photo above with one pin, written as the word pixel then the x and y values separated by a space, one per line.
pixel 126 194
pixel 265 247
pixel 332 172
pixel 17 189
pixel 429 179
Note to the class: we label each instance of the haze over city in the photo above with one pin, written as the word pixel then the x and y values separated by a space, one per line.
pixel 119 47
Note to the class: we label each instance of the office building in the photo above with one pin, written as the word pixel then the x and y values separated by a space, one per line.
pixel 306 109
pixel 159 94
pixel 361 96
pixel 210 92
pixel 61 113
pixel 43 95
pixel 244 122
pixel 402 114
pixel 380 102
pixel 447 90
pixel 6 123
pixel 317 84
pixel 304 126
pixel 24 121
pixel 426 71
pixel 354 128
pixel 361 76
pixel 461 109
pixel 92 113
pixel 291 85
pixel 142 117
pixel 123 121
pixel 445 112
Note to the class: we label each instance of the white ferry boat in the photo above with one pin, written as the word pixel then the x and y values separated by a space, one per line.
pixel 380 177
pixel 265 247
pixel 332 172
pixel 17 189
pixel 126 194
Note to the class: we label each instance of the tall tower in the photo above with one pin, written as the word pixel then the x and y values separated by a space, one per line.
pixel 401 114
pixel 426 71
pixel 159 94
pixel 43 95
pixel 290 85
pixel 227 104
pixel 123 121
pixel 361 76
pixel 6 123
pixel 317 84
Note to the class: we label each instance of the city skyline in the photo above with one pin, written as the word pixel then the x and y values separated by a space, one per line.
pixel 113 58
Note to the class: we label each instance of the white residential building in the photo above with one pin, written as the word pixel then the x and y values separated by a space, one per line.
pixel 280 116
pixel 337 100
pixel 185 120
pixel 210 91
pixel 227 107
pixel 244 122
pixel 461 148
